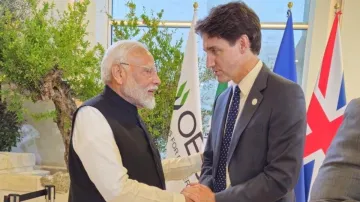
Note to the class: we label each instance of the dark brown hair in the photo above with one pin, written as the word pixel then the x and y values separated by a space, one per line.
pixel 231 21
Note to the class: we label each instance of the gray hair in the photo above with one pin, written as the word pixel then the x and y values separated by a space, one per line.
pixel 117 53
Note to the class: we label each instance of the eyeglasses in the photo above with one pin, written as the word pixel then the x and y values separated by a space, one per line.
pixel 149 71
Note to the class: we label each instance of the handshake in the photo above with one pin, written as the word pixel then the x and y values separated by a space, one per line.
pixel 196 192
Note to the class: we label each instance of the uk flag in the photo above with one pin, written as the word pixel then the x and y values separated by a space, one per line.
pixel 326 108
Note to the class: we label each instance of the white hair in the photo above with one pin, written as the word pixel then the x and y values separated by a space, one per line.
pixel 117 53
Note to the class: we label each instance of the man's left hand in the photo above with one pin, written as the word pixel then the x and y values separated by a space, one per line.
pixel 199 193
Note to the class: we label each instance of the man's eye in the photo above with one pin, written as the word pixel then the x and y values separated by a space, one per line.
pixel 148 71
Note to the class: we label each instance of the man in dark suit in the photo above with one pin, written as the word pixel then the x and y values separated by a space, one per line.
pixel 339 176
pixel 255 146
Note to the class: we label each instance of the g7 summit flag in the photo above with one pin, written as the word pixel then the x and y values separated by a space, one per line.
pixel 185 136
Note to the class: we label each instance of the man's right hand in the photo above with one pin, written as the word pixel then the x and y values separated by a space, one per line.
pixel 188 199
pixel 198 193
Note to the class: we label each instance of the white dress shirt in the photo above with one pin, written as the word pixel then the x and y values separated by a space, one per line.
pixel 245 86
pixel 105 169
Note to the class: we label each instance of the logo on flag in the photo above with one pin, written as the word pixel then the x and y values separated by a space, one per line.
pixel 179 94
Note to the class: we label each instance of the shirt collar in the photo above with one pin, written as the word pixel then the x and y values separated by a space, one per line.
pixel 247 82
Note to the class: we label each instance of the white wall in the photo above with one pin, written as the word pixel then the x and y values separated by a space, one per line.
pixel 321 19
pixel 102 27
pixel 49 144
pixel 350 35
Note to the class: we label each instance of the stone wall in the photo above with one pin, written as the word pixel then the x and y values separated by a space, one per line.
pixel 18 175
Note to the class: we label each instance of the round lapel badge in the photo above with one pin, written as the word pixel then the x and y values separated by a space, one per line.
pixel 254 101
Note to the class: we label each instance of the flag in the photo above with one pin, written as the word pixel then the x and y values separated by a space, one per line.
pixel 185 137
pixel 220 88
pixel 326 108
pixel 285 66
pixel 285 60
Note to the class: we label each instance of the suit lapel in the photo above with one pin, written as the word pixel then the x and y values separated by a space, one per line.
pixel 252 103
pixel 222 106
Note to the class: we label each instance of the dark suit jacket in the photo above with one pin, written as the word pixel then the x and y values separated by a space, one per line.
pixel 266 150
pixel 339 176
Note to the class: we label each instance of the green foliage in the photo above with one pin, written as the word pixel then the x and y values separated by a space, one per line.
pixel 19 8
pixel 9 128
pixel 168 57
pixel 46 56
pixel 14 100
pixel 31 49
pixel 45 115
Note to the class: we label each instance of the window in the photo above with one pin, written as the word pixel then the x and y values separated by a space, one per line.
pixel 273 10
pixel 271 40
pixel 182 10
pixel 174 10
pixel 268 11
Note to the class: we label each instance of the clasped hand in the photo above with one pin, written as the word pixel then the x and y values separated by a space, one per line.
pixel 196 192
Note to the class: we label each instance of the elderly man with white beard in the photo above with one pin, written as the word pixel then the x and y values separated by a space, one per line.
pixel 112 156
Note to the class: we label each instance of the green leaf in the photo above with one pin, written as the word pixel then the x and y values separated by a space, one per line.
pixel 183 100
pixel 182 87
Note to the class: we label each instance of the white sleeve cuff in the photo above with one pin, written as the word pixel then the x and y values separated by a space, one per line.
pixel 179 198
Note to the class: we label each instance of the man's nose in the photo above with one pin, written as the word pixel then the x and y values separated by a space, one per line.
pixel 156 79
pixel 210 61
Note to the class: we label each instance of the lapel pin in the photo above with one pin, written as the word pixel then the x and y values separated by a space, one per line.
pixel 254 101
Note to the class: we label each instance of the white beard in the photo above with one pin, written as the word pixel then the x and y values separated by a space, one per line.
pixel 139 95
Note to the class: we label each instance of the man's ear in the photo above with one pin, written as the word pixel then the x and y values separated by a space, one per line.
pixel 118 74
pixel 244 43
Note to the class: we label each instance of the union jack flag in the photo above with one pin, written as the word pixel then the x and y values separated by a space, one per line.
pixel 326 108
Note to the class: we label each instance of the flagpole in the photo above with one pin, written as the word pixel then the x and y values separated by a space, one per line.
pixel 337 7
pixel 290 4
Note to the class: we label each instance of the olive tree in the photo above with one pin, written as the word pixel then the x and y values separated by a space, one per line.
pixel 43 57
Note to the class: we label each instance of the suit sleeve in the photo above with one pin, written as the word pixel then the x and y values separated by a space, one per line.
pixel 286 136
pixel 206 177
pixel 336 178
